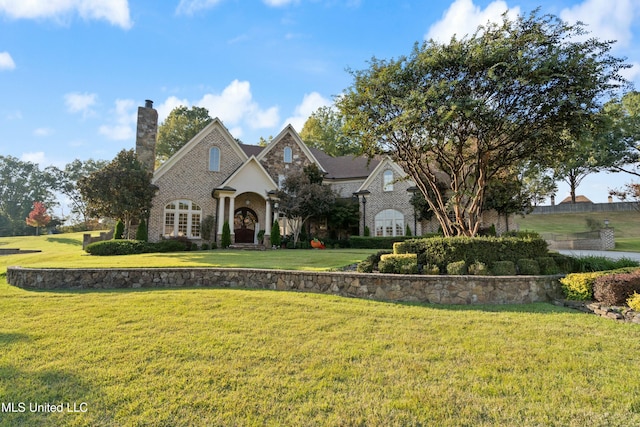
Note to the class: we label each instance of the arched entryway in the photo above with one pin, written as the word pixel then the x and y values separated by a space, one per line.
pixel 244 225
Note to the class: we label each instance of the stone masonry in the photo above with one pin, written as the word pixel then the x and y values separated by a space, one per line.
pixel 384 287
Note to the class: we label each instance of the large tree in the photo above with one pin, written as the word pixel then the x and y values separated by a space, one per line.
pixel 302 197
pixel 121 190
pixel 323 130
pixel 66 182
pixel 461 113
pixel 623 138
pixel 180 126
pixel 21 184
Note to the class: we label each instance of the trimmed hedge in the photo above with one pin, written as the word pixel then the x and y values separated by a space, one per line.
pixel 528 267
pixel 579 286
pixel 442 251
pixel 504 268
pixel 457 268
pixel 479 269
pixel 398 264
pixel 132 247
pixel 615 289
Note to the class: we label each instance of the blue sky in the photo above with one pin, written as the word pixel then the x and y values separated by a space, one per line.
pixel 73 72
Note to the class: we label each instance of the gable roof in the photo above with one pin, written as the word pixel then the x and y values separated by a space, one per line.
pixel 345 167
pixel 215 124
pixel 385 163
pixel 245 178
pixel 289 130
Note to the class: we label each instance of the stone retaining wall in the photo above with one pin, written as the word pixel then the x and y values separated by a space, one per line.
pixel 389 287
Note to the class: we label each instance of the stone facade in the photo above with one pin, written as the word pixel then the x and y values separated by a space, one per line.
pixel 383 287
pixel 273 159
pixel 146 133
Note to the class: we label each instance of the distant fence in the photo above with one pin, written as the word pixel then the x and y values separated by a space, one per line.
pixel 586 207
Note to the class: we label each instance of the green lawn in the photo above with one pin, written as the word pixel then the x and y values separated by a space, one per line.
pixel 239 357
pixel 626 225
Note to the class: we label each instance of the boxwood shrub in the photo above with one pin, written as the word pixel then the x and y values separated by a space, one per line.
pixel 504 268
pixel 442 251
pixel 528 267
pixel 457 268
pixel 399 264
pixel 119 247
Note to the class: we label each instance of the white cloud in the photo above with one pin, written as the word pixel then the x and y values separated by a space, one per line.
pixel 278 3
pixel 463 18
pixel 116 12
pixel 169 105
pixel 605 19
pixel 80 103
pixel 189 7
pixel 310 103
pixel 235 106
pixel 43 132
pixel 34 157
pixel 6 61
pixel 123 122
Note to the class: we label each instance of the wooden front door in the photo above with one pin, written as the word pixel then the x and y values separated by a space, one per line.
pixel 244 225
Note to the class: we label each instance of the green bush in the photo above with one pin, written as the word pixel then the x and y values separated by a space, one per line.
pixel 442 251
pixel 600 263
pixel 528 267
pixel 371 262
pixel 504 268
pixel 431 270
pixel 276 240
pixel 547 266
pixel 119 247
pixel 170 245
pixel 205 246
pixel 141 231
pixel 579 286
pixel 360 242
pixel 457 268
pixel 118 232
pixel 615 289
pixel 478 268
pixel 398 264
pixel 225 240
pixel 634 302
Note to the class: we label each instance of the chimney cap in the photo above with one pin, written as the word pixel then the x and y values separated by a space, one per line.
pixel 148 103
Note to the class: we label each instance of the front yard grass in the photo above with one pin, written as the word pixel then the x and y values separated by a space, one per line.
pixel 239 357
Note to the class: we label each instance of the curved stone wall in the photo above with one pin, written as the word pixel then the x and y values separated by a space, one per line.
pixel 388 287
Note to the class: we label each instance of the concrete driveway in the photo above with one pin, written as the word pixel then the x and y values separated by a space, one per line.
pixel 607 254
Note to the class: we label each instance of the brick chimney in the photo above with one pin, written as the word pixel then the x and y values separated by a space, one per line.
pixel 146 135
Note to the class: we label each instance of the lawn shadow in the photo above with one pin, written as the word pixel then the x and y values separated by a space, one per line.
pixel 64 241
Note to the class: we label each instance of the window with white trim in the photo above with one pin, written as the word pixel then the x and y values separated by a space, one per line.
pixel 288 155
pixel 389 222
pixel 182 218
pixel 387 180
pixel 214 159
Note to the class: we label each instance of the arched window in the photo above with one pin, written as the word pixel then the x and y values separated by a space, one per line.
pixel 182 218
pixel 288 155
pixel 389 222
pixel 387 181
pixel 214 159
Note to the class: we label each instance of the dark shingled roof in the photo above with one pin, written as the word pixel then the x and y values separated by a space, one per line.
pixel 343 167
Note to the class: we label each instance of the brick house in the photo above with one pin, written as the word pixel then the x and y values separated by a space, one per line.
pixel 214 174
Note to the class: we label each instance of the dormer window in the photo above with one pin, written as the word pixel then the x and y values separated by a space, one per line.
pixel 214 159
pixel 387 181
pixel 288 155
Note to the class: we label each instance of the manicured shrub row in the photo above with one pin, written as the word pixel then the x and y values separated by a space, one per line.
pixel 400 264
pixel 615 289
pixel 442 251
pixel 131 247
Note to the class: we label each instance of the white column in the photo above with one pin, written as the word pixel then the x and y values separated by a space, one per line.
pixel 220 213
pixel 232 208
pixel 267 219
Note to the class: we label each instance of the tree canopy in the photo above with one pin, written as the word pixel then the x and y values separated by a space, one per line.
pixel 180 126
pixel 323 130
pixel 463 112
pixel 120 190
